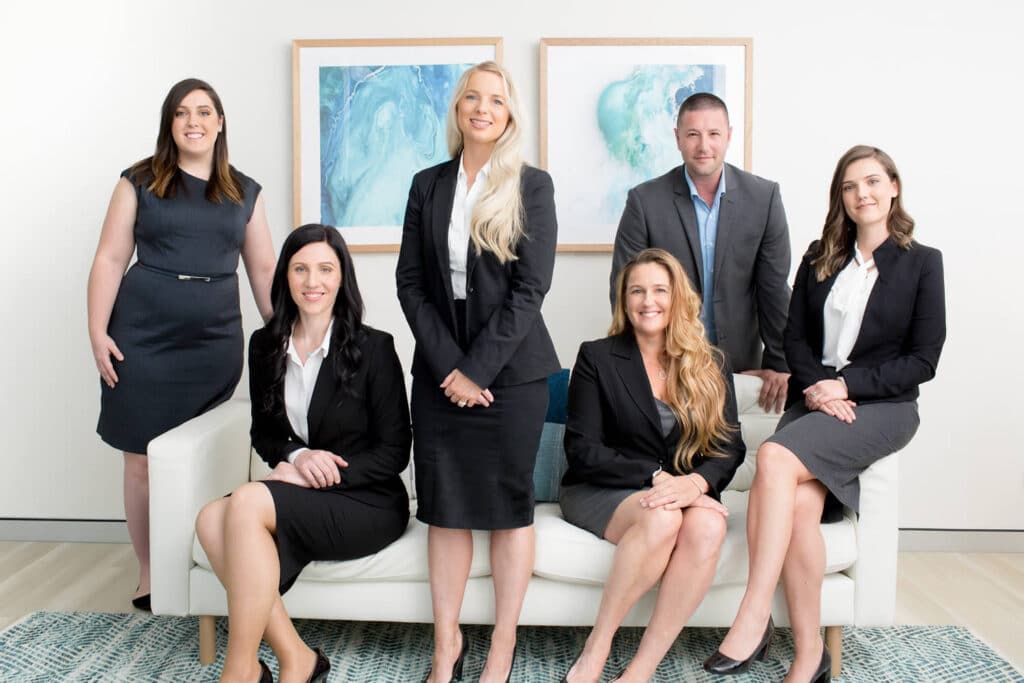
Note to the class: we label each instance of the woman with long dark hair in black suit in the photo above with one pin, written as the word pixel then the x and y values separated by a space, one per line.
pixel 867 322
pixel 478 251
pixel 329 413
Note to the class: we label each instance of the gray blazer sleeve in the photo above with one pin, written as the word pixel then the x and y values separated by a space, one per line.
pixel 630 238
pixel 771 271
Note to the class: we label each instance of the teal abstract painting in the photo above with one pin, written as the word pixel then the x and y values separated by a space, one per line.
pixel 379 125
pixel 634 113
pixel 610 118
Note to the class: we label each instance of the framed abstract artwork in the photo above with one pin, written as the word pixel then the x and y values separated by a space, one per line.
pixel 607 115
pixel 367 115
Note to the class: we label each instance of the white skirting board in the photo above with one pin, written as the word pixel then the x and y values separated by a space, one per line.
pixel 962 540
pixel 116 531
pixel 64 530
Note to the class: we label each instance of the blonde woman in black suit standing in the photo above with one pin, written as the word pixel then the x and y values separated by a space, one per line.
pixel 477 255
pixel 867 322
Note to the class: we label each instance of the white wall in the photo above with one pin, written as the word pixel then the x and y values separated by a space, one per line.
pixel 935 84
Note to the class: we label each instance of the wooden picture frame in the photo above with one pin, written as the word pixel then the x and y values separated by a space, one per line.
pixel 367 115
pixel 607 114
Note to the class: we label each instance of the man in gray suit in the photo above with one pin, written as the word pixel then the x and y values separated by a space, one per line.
pixel 728 229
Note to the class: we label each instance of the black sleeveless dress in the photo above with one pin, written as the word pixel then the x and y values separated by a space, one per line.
pixel 176 318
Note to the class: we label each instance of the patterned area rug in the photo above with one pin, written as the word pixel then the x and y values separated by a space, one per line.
pixel 84 646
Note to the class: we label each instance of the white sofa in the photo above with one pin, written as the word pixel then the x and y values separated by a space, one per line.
pixel 210 455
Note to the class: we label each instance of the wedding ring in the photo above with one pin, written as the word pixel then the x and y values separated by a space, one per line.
pixel 462 404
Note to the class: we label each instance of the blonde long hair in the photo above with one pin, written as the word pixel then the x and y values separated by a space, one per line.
pixel 840 232
pixel 497 222
pixel 695 390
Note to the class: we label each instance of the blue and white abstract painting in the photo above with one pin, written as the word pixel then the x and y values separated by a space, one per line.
pixel 379 125
pixel 635 116
pixel 610 120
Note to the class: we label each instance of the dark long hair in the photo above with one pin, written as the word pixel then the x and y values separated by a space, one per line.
pixel 840 232
pixel 160 174
pixel 347 336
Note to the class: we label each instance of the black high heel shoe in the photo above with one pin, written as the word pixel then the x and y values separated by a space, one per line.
pixel 720 664
pixel 321 668
pixel 823 674
pixel 265 675
pixel 457 666
pixel 142 602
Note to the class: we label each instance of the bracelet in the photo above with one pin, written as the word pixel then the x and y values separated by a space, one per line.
pixel 694 482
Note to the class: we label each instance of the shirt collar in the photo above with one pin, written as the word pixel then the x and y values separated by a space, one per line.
pixel 485 171
pixel 322 350
pixel 858 258
pixel 693 188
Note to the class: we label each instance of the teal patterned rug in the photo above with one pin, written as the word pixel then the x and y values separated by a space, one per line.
pixel 85 646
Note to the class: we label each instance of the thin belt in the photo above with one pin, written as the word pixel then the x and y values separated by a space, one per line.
pixel 183 276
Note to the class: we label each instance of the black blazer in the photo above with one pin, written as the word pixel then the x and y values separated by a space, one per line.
pixel 752 257
pixel 509 343
pixel 613 432
pixel 900 337
pixel 369 429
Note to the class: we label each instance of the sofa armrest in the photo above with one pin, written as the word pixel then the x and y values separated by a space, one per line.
pixel 874 572
pixel 189 466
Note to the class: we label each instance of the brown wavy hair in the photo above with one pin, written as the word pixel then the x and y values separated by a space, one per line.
pixel 696 392
pixel 160 174
pixel 840 233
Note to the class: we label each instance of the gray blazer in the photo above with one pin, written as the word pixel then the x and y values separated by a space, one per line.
pixel 751 257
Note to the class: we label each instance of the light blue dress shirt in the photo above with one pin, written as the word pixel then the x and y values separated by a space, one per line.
pixel 707 229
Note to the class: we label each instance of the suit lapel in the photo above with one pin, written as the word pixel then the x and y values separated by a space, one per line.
pixel 885 257
pixel 471 259
pixel 630 367
pixel 323 395
pixel 727 206
pixel 688 216
pixel 441 217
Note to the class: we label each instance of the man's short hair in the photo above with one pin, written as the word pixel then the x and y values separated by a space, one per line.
pixel 699 102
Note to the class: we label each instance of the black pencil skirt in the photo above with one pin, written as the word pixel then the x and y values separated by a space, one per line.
pixel 328 524
pixel 474 466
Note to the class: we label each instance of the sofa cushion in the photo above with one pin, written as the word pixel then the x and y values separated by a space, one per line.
pixel 756 425
pixel 570 554
pixel 403 560
pixel 551 464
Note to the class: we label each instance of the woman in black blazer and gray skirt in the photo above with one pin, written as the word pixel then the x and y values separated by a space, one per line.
pixel 867 322
pixel 477 255
pixel 329 414
pixel 652 439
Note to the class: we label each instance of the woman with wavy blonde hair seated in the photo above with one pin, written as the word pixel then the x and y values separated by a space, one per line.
pixel 652 439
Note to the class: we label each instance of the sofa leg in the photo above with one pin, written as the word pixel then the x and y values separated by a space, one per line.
pixel 207 639
pixel 834 640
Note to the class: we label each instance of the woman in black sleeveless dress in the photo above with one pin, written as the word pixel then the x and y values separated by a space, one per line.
pixel 167 335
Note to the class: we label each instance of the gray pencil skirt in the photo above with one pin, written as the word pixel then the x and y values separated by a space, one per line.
pixel 836 452
pixel 591 507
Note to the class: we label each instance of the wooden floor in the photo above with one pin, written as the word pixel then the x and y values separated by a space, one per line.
pixel 982 591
